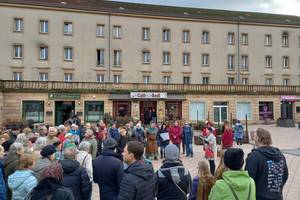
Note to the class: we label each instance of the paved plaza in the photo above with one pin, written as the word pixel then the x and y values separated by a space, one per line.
pixel 286 139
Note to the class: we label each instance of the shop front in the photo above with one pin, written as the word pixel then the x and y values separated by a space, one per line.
pixel 290 107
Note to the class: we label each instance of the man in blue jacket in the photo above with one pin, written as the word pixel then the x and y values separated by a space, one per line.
pixel 267 166
pixel 187 133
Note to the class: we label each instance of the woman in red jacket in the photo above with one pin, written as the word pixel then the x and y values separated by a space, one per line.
pixel 227 138
pixel 176 134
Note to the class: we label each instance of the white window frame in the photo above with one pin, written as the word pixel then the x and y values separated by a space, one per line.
pixel 18 25
pixel 245 81
pixel 100 78
pixel 186 36
pixel 219 107
pixel 186 58
pixel 230 62
pixel 230 38
pixel 286 81
pixel 101 61
pixel 146 57
pixel 100 30
pixel 285 40
pixel 146 33
pixel 245 39
pixel 18 51
pixel 269 81
pixel 146 79
pixel 68 28
pixel 17 76
pixel 196 109
pixel 117 78
pixel 231 81
pixel 285 62
pixel 268 40
pixel 166 79
pixel 205 37
pixel 242 115
pixel 205 80
pixel 44 26
pixel 43 76
pixel 166 58
pixel 166 35
pixel 44 53
pixel 117 57
pixel 186 80
pixel 68 54
pixel 68 77
pixel 205 59
pixel 245 62
pixel 117 32
pixel 268 61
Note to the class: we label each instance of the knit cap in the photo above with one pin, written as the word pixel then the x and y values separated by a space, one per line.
pixel 172 152
pixel 48 150
pixel 109 143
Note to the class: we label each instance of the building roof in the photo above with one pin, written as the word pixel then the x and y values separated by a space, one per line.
pixel 163 11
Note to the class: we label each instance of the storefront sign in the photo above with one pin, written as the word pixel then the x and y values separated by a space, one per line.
pixel 290 98
pixel 148 95
pixel 72 96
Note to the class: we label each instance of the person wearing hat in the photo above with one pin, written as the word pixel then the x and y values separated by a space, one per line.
pixel 47 158
pixel 174 180
pixel 236 183
pixel 108 171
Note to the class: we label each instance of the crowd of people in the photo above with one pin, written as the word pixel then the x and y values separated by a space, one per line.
pixel 62 163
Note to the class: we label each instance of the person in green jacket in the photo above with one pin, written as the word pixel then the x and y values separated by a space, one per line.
pixel 236 184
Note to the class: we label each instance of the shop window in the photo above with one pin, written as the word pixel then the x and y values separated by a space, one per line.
pixel 122 109
pixel 173 110
pixel 266 110
pixel 197 111
pixel 243 109
pixel 298 109
pixel 93 111
pixel 33 110
pixel 220 111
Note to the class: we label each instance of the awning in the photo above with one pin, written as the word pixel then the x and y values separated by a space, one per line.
pixel 177 97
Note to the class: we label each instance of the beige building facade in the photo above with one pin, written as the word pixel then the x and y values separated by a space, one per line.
pixel 123 43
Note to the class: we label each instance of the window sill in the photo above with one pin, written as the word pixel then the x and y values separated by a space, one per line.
pixel 146 40
pixel 68 60
pixel 18 58
pixel 14 31
pixel 97 36
pixel 43 33
pixel 68 34
pixel 148 63
pixel 166 63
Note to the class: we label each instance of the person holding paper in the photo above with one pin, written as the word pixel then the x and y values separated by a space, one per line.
pixel 163 139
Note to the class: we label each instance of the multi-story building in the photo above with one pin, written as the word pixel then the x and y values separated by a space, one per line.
pixel 177 54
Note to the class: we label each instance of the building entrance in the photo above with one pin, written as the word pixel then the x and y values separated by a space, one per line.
pixel 148 111
pixel 63 110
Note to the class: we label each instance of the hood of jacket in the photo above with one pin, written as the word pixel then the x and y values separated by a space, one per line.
pixel 270 152
pixel 41 163
pixel 141 169
pixel 238 180
pixel 174 171
pixel 108 152
pixel 69 166
pixel 17 178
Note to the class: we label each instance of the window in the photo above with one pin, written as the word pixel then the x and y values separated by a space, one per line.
pixel 146 33
pixel 268 40
pixel 43 76
pixel 33 110
pixel 285 39
pixel 205 37
pixel 244 39
pixel 243 109
pixel 166 58
pixel 44 26
pixel 17 76
pixel 167 79
pixel 285 81
pixel 18 25
pixel 93 111
pixel 186 36
pixel 230 81
pixel 121 109
pixel 205 80
pixel 186 80
pixel 230 64
pixel 68 77
pixel 117 57
pixel 186 58
pixel 220 111
pixel 197 111
pixel 100 57
pixel 166 35
pixel 268 61
pixel 266 110
pixel 285 62
pixel 117 32
pixel 68 28
pixel 100 78
pixel 173 110
pixel 230 38
pixel 146 79
pixel 205 59
pixel 100 31
pixel 269 81
pixel 117 78
pixel 68 54
pixel 43 53
pixel 146 57
pixel 245 81
pixel 245 62
pixel 18 51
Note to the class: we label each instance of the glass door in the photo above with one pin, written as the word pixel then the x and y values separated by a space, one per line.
pixel 220 112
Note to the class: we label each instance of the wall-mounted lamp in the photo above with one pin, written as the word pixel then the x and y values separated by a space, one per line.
pixel 48 103
pixel 94 96
pixel 79 103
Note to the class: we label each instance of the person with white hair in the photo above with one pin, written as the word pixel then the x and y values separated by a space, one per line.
pixel 39 144
pixel 51 138
pixel 138 133
pixel 85 158
pixel 89 137
pixel 23 139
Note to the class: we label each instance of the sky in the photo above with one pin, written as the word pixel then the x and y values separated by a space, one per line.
pixel 289 7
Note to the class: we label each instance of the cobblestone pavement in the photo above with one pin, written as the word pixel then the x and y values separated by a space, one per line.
pixel 283 138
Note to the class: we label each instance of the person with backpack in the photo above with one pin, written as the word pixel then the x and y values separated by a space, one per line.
pixel 239 133
pixel 187 133
pixel 236 184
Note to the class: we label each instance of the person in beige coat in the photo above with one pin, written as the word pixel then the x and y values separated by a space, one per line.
pixel 89 137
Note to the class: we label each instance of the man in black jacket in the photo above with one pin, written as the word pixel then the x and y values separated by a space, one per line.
pixel 108 171
pixel 267 166
pixel 174 180
pixel 75 176
pixel 139 182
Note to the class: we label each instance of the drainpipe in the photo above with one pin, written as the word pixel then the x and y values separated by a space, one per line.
pixel 109 47
pixel 238 51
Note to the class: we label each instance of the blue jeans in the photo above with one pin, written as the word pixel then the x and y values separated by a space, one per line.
pixel 189 149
